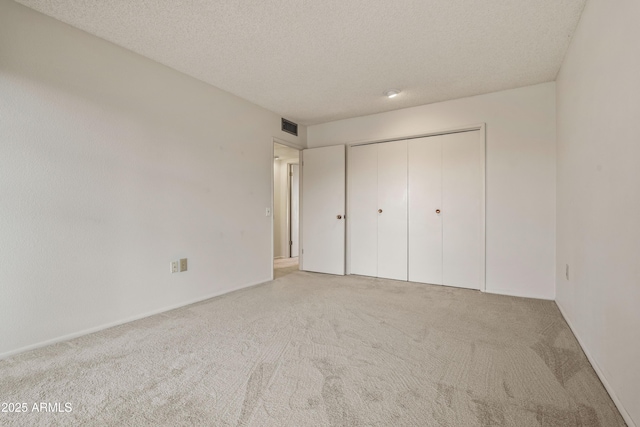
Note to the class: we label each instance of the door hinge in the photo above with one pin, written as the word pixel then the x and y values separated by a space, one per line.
pixel 303 252
pixel 291 243
pixel 290 173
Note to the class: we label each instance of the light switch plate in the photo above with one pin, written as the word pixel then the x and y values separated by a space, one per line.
pixel 174 266
pixel 183 264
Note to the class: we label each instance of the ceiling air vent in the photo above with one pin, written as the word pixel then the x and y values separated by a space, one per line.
pixel 289 127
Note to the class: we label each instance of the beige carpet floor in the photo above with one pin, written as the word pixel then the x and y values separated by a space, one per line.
pixel 318 350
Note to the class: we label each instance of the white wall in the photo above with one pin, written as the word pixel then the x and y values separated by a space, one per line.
pixel 111 166
pixel 521 144
pixel 598 92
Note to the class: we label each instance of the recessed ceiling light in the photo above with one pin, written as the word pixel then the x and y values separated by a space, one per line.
pixel 392 93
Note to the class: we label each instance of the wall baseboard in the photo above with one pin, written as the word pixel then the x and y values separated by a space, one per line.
pixel 516 294
pixel 127 320
pixel 596 367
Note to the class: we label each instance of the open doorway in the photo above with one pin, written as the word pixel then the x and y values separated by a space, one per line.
pixel 286 184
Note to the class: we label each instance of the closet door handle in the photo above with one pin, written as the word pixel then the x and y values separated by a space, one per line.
pixel 339 217
pixel 379 210
pixel 437 211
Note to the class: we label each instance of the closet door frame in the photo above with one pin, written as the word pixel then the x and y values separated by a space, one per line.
pixel 481 127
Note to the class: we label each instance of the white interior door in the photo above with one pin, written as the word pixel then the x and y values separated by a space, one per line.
pixel 323 209
pixel 294 197
pixel 462 209
pixel 392 210
pixel 363 210
pixel 425 202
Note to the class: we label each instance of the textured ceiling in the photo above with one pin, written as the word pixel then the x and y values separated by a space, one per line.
pixel 314 61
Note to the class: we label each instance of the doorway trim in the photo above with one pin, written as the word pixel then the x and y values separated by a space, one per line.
pixel 481 127
pixel 290 228
pixel 275 140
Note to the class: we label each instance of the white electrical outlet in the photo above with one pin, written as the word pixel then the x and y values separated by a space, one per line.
pixel 174 266
pixel 183 264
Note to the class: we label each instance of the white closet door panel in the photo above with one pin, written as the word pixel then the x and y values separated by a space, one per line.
pixel 323 199
pixel 363 209
pixel 462 184
pixel 392 200
pixel 425 198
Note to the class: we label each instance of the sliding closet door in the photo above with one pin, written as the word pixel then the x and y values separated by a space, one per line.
pixel 392 210
pixel 425 204
pixel 462 209
pixel 363 209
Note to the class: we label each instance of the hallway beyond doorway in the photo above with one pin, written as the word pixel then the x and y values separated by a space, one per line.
pixel 284 266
